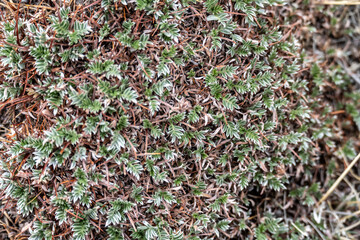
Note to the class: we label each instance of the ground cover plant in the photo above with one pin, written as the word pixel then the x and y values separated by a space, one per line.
pixel 146 119
pixel 332 35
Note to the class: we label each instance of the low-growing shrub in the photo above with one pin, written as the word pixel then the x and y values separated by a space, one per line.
pixel 153 119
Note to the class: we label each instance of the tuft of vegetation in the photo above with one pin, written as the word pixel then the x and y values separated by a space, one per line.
pixel 146 119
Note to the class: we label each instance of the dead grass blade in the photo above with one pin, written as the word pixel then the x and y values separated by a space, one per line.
pixel 340 178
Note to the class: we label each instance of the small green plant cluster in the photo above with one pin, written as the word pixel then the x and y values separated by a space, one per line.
pixel 155 119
